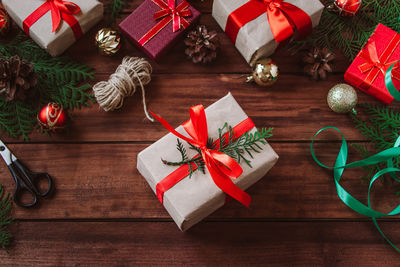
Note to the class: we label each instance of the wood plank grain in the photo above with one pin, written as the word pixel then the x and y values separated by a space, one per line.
pixel 209 244
pixel 100 181
pixel 228 61
pixel 294 106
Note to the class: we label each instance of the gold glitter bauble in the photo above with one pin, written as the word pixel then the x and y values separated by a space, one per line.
pixel 108 41
pixel 342 98
pixel 265 72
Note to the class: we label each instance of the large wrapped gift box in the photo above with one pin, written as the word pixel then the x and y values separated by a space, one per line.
pixel 55 41
pixel 194 198
pixel 253 25
pixel 367 71
pixel 152 29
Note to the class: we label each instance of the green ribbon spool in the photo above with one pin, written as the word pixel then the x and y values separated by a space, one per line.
pixel 340 164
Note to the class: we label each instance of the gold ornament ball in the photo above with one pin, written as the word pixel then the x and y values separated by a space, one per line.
pixel 265 72
pixel 108 41
pixel 342 98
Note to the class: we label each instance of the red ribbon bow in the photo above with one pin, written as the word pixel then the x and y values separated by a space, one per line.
pixel 167 14
pixel 60 10
pixel 222 168
pixel 176 14
pixel 283 18
pixel 375 64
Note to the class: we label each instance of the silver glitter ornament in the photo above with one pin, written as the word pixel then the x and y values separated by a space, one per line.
pixel 342 98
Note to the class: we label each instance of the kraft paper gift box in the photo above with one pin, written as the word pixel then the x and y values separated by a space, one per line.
pixel 367 71
pixel 41 31
pixel 142 21
pixel 256 39
pixel 194 198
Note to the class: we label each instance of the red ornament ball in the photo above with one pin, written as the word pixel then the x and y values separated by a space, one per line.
pixel 348 7
pixel 4 22
pixel 52 117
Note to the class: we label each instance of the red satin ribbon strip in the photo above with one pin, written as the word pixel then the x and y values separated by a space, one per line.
pixel 167 14
pixel 60 10
pixel 222 168
pixel 375 64
pixel 284 18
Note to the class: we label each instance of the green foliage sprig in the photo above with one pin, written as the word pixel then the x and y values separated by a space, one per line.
pixel 5 219
pixel 381 128
pixel 240 149
pixel 115 8
pixel 60 80
pixel 349 34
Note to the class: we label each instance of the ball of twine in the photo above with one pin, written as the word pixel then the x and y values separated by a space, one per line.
pixel 133 72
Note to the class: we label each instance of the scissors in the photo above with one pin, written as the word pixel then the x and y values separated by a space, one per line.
pixel 25 180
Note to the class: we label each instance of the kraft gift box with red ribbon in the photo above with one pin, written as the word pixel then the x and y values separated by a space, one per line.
pixel 156 25
pixel 55 24
pixel 190 199
pixel 368 69
pixel 258 27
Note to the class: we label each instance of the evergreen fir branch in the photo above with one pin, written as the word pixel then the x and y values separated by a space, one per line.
pixel 349 34
pixel 62 69
pixel 197 161
pixel 60 80
pixel 72 97
pixel 237 148
pixel 5 219
pixel 182 150
pixel 381 128
pixel 374 134
pixel 115 8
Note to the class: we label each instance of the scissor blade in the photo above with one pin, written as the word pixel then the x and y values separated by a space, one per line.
pixel 6 154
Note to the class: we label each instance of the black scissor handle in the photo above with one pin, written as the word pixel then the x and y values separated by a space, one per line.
pixel 20 188
pixel 32 177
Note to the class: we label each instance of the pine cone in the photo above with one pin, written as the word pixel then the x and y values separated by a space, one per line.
pixel 17 77
pixel 318 62
pixel 202 45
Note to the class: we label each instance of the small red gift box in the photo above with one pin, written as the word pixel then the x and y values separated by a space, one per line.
pixel 156 25
pixel 367 72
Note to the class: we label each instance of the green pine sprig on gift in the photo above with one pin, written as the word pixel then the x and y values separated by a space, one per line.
pixel 60 80
pixel 5 219
pixel 115 8
pixel 349 34
pixel 381 127
pixel 240 149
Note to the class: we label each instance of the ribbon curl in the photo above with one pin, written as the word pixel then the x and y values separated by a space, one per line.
pixel 389 82
pixel 60 10
pixel 340 164
pixel 167 14
pixel 284 18
pixel 222 168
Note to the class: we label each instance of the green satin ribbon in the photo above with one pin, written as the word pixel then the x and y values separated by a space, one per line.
pixel 389 83
pixel 340 164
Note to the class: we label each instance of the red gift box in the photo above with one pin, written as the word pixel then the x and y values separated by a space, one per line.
pixel 156 25
pixel 367 72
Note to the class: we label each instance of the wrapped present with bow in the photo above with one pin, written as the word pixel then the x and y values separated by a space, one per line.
pixel 55 24
pixel 258 27
pixel 210 159
pixel 368 70
pixel 156 25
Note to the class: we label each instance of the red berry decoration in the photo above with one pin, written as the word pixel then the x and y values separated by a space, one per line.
pixel 52 117
pixel 348 7
pixel 4 22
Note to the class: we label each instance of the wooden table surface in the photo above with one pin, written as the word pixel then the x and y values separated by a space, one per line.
pixel 103 212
